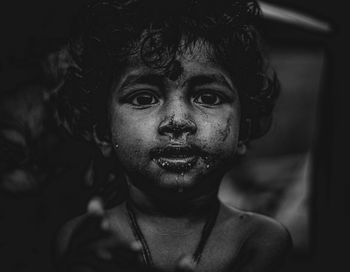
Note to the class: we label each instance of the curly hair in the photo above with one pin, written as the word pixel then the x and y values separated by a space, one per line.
pixel 108 32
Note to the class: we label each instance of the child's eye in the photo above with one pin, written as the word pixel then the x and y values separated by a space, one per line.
pixel 144 99
pixel 208 98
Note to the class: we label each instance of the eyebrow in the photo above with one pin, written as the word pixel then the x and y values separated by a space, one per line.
pixel 208 79
pixel 152 79
pixel 160 80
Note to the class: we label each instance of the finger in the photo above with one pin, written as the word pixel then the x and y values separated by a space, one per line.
pixel 117 238
pixel 90 229
pixel 136 249
pixel 135 246
pixel 116 245
pixel 95 206
pixel 128 258
pixel 186 264
pixel 130 250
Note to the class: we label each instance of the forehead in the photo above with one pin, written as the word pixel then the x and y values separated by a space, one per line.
pixel 197 58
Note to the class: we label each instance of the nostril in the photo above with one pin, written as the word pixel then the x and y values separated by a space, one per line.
pixel 176 128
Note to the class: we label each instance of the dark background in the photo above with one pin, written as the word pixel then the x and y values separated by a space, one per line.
pixel 24 25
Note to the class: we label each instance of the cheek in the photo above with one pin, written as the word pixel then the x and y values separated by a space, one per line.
pixel 226 137
pixel 228 132
pixel 221 134
pixel 131 137
pixel 225 146
pixel 219 138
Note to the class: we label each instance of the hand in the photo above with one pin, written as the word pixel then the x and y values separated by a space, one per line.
pixel 94 246
pixel 186 264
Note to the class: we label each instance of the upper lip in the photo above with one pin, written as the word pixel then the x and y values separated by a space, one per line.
pixel 174 151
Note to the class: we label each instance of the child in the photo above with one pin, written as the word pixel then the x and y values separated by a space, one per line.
pixel 173 90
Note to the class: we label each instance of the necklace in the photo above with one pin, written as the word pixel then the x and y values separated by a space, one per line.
pixel 146 253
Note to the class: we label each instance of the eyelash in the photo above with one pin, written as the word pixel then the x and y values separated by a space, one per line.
pixel 220 98
pixel 131 98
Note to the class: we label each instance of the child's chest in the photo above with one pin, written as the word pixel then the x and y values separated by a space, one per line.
pixel 218 252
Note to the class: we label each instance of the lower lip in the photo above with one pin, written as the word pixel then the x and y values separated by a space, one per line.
pixel 176 164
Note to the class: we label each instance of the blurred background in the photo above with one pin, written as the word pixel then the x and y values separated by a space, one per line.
pixel 275 176
pixel 297 173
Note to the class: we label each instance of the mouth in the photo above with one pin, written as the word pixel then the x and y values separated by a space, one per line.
pixel 175 158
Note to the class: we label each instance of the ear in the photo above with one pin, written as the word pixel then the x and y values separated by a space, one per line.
pixel 104 145
pixel 241 148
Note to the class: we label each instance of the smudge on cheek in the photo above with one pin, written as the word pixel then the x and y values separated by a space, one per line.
pixel 225 131
pixel 220 151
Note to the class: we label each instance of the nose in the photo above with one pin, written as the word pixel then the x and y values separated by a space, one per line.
pixel 177 124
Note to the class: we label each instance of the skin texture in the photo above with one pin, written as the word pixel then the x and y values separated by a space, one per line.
pixel 200 108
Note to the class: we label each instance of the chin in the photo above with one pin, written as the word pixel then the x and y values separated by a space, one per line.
pixel 189 183
pixel 176 182
pixel 164 182
pixel 175 179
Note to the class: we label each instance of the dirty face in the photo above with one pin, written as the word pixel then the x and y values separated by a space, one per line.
pixel 176 132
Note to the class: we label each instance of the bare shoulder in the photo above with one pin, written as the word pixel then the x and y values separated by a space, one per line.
pixel 269 234
pixel 266 243
pixel 258 227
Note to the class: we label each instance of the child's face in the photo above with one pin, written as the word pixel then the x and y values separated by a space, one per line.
pixel 177 133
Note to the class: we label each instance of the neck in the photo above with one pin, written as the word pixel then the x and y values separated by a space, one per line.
pixel 177 207
pixel 193 215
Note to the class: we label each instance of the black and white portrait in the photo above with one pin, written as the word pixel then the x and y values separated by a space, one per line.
pixel 174 135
